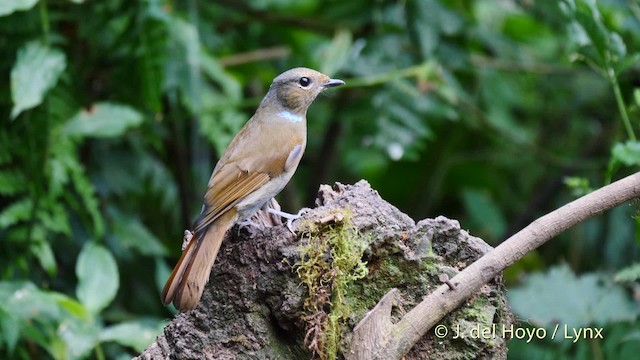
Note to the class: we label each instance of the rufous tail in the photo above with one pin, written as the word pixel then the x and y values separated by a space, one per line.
pixel 191 273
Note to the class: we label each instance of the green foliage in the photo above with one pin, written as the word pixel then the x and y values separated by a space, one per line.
pixel 97 274
pixel 36 71
pixel 579 186
pixel 628 274
pixel 102 120
pixel 559 296
pixel 61 325
pixel 484 214
pixel 9 6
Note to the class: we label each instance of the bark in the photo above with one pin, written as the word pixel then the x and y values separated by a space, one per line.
pixel 398 338
pixel 256 307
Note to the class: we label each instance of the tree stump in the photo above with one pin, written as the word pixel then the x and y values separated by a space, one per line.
pixel 255 305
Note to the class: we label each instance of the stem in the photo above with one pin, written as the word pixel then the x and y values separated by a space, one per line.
pixel 99 352
pixel 621 105
pixel 422 70
pixel 44 21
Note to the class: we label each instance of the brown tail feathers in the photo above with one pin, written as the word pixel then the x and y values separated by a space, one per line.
pixel 191 273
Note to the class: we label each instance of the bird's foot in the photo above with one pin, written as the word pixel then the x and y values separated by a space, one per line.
pixel 290 217
pixel 188 235
pixel 248 223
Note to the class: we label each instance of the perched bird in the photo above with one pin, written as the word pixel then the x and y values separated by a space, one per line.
pixel 256 166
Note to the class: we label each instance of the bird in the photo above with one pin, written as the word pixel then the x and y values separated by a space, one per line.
pixel 256 165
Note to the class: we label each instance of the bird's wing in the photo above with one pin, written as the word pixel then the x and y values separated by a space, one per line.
pixel 228 186
pixel 244 169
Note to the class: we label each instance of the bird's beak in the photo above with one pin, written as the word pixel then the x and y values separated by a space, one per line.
pixel 333 82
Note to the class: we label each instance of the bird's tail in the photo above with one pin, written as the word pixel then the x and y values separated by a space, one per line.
pixel 191 273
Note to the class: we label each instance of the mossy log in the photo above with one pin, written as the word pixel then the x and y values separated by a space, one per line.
pixel 257 307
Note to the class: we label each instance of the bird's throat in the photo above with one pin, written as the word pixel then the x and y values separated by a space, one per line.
pixel 288 115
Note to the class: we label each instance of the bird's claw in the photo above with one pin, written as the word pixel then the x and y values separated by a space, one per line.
pixel 248 223
pixel 290 217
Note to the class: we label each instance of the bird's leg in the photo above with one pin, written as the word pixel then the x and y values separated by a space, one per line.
pixel 249 223
pixel 289 217
pixel 188 235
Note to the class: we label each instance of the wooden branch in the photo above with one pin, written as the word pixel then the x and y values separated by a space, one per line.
pixel 399 338
pixel 255 56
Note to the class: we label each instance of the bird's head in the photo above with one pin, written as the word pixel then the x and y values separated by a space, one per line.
pixel 296 89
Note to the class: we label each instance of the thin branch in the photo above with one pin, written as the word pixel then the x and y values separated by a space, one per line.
pixel 255 56
pixel 423 71
pixel 400 337
pixel 312 23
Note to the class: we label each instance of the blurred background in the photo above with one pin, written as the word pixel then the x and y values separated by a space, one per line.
pixel 490 112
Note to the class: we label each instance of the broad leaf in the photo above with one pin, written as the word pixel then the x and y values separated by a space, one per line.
pixel 132 234
pixel 10 330
pixel 25 302
pixel 629 273
pixel 36 70
pixel 10 6
pixel 79 337
pixel 103 120
pixel 484 213
pixel 627 153
pixel 98 277
pixel 559 296
pixel 135 334
pixel 336 54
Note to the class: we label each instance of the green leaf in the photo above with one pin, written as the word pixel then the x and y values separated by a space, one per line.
pixel 98 278
pixel 71 305
pixel 132 234
pixel 55 218
pixel 136 334
pixel 25 301
pixel 103 120
pixel 10 6
pixel 627 153
pixel 579 185
pixel 12 182
pixel 10 330
pixel 66 168
pixel 559 296
pixel 79 337
pixel 42 250
pixel 484 213
pixel 36 70
pixel 335 55
pixel 628 274
pixel 152 55
pixel 18 211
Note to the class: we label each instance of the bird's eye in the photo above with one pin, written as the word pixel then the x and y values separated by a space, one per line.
pixel 304 81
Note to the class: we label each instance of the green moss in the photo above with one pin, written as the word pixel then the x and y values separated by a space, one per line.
pixel 330 261
pixel 389 272
pixel 478 311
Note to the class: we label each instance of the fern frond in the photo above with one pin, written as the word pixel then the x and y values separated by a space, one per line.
pixel 12 182
pixel 18 211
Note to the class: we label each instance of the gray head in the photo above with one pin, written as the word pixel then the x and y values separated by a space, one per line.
pixel 296 89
